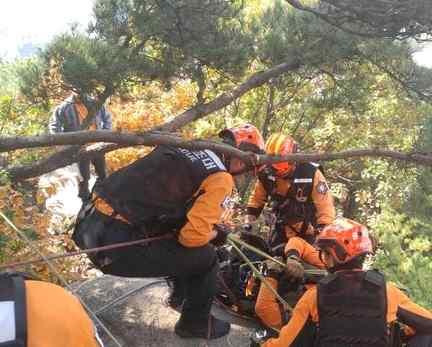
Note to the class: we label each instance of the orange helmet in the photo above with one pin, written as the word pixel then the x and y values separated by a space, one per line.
pixel 245 137
pixel 344 239
pixel 279 144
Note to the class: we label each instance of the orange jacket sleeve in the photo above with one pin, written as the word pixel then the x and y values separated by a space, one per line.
pixel 257 199
pixel 400 307
pixel 305 251
pixel 207 210
pixel 323 200
pixel 267 306
pixel 56 318
pixel 306 308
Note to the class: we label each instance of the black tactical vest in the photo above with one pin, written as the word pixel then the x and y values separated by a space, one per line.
pixel 352 309
pixel 13 310
pixel 159 188
pixel 298 200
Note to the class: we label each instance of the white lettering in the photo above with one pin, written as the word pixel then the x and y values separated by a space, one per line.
pixel 7 321
pixel 209 163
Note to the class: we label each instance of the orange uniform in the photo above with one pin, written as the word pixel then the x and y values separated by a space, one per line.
pixel 56 318
pixel 399 307
pixel 303 250
pixel 322 199
pixel 206 210
pixel 83 113
pixel 267 306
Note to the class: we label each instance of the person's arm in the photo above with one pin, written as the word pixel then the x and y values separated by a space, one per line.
pixel 299 248
pixel 323 200
pixel 408 312
pixel 257 200
pixel 55 122
pixel 305 309
pixel 106 119
pixel 206 210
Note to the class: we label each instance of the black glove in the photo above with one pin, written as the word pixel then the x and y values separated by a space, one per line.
pixel 222 233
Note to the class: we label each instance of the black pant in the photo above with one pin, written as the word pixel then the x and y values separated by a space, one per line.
pixel 420 341
pixel 99 164
pixel 197 267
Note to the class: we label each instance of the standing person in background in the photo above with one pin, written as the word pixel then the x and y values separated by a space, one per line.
pixel 68 116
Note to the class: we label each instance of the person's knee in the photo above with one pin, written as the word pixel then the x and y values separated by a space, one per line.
pixel 267 308
pixel 270 315
pixel 207 259
pixel 420 341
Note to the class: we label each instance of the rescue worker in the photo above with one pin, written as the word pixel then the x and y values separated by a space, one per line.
pixel 170 191
pixel 294 189
pixel 35 313
pixel 69 117
pixel 298 254
pixel 351 307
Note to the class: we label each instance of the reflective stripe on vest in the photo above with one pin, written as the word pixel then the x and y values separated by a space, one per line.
pixel 13 318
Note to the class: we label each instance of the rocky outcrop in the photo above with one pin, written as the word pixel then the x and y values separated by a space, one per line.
pixel 141 319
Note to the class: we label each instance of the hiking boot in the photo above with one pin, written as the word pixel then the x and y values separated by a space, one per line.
pixel 211 328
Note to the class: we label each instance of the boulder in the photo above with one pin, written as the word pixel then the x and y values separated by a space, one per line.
pixel 133 311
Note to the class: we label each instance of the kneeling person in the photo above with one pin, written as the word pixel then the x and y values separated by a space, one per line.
pixel 378 304
pixel 299 253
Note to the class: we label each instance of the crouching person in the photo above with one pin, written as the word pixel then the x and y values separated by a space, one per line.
pixel 170 191
pixel 287 281
pixel 41 314
pixel 351 307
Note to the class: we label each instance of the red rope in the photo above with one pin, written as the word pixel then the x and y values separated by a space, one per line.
pixel 87 251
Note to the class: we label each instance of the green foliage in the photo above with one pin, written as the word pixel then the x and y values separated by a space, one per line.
pixel 404 254
pixel 346 95
pixel 177 36
pixel 283 33
pixel 140 41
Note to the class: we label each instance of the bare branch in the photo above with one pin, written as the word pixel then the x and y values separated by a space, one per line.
pixel 225 99
pixel 153 138
pixel 70 155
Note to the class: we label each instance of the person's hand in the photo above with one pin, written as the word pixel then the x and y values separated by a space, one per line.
pixel 274 269
pixel 220 234
pixel 294 268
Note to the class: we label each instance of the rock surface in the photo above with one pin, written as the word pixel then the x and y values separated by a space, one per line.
pixel 141 319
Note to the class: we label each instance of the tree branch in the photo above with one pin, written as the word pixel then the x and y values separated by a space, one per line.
pixel 153 138
pixel 225 99
pixel 61 159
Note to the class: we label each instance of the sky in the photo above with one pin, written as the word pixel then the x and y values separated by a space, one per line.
pixel 37 21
